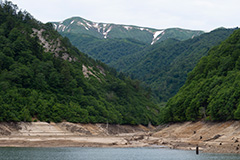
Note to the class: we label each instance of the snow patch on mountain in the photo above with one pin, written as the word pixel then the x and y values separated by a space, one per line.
pixel 155 36
pixel 127 27
pixel 105 33
pixel 88 24
pixel 72 22
pixel 63 28
pixel 55 26
pixel 82 24
pixel 95 25
pixel 60 27
pixel 142 29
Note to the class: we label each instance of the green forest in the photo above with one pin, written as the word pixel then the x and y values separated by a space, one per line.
pixel 36 84
pixel 212 89
pixel 108 51
pixel 164 66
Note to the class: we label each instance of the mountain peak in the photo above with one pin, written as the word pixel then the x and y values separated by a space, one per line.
pixel 78 25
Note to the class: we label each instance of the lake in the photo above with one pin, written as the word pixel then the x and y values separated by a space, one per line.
pixel 74 153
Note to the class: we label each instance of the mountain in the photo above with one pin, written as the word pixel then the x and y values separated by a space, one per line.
pixel 111 42
pixel 78 25
pixel 44 77
pixel 164 66
pixel 212 89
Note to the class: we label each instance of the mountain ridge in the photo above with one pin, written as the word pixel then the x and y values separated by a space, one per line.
pixel 147 35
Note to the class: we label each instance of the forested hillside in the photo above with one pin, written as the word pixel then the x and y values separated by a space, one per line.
pixel 109 51
pixel 164 66
pixel 43 77
pixel 212 89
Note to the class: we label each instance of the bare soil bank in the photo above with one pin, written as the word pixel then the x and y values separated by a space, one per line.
pixel 210 137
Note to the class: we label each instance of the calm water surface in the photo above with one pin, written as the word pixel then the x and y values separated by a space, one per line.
pixel 107 154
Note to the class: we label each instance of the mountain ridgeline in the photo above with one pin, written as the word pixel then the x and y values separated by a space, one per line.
pixel 78 25
pixel 43 77
pixel 111 42
pixel 212 89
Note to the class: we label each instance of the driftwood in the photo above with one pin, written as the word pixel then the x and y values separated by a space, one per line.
pixel 214 138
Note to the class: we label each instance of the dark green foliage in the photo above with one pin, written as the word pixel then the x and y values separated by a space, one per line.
pixel 164 66
pixel 109 51
pixel 212 89
pixel 36 84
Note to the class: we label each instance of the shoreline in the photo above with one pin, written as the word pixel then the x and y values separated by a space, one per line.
pixel 210 137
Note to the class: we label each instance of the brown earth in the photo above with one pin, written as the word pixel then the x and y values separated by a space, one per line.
pixel 210 137
pixel 42 134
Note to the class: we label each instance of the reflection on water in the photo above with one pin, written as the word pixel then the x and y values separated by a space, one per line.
pixel 107 154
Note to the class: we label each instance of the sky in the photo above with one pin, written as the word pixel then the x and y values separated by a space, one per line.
pixel 203 15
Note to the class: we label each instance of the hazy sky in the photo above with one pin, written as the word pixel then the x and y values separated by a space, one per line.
pixel 189 14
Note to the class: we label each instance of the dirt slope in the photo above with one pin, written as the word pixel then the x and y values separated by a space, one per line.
pixel 42 134
pixel 211 137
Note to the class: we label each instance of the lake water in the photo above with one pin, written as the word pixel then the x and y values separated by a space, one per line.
pixel 107 154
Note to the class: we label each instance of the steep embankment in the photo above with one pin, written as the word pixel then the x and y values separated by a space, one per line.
pixel 221 137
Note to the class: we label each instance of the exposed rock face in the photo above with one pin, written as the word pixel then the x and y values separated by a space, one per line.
pixel 8 128
pixel 53 46
pixel 89 71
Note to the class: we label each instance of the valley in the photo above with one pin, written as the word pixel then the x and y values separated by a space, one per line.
pixel 172 88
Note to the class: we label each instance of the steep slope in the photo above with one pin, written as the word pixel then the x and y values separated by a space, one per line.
pixel 212 89
pixel 164 66
pixel 43 77
pixel 78 25
pixel 109 51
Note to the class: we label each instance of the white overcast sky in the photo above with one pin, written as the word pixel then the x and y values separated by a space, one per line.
pixel 189 14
